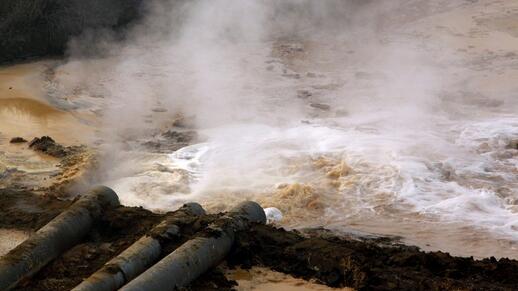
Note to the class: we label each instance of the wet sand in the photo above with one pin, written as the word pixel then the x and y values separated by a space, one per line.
pixel 25 110
pixel 265 279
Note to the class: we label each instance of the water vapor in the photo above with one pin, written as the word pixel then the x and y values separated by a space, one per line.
pixel 355 111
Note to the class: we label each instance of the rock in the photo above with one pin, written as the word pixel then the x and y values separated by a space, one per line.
pixel 304 94
pixel 170 141
pixel 292 76
pixel 341 112
pixel 513 145
pixel 180 136
pixel 18 140
pixel 362 75
pixel 47 145
pixel 159 110
pixel 320 106
pixel 184 121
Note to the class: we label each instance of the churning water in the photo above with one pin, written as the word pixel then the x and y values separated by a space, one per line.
pixel 402 127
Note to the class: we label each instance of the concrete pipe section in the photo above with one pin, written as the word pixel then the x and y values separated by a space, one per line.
pixel 139 256
pixel 59 235
pixel 200 254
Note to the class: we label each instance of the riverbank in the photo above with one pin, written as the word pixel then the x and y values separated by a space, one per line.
pixel 319 255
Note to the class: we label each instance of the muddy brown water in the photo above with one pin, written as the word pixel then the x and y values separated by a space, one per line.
pixel 260 278
pixel 25 111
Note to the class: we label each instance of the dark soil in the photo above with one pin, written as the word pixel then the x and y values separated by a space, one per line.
pixel 361 263
pixel 47 145
pixel 18 140
pixel 117 230
pixel 368 264
pixel 27 211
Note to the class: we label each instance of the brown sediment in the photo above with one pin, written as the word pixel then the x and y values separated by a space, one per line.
pixel 333 167
pixel 45 166
pixel 304 204
pixel 297 202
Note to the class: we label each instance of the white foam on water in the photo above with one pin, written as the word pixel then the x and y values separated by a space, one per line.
pixel 439 172
pixel 190 158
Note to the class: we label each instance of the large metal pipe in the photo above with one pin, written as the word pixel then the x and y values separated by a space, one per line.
pixel 140 255
pixel 60 234
pixel 200 254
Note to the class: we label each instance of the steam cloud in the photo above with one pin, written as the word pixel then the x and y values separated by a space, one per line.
pixel 208 59
pixel 273 85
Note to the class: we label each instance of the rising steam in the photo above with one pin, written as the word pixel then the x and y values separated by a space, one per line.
pixel 277 87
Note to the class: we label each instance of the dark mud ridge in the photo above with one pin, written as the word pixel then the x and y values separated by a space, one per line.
pixel 37 28
pixel 364 264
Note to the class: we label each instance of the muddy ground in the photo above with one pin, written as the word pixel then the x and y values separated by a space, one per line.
pixel 336 261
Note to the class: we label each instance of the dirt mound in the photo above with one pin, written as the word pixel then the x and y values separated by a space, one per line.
pixel 367 264
pixel 18 140
pixel 26 210
pixel 47 145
